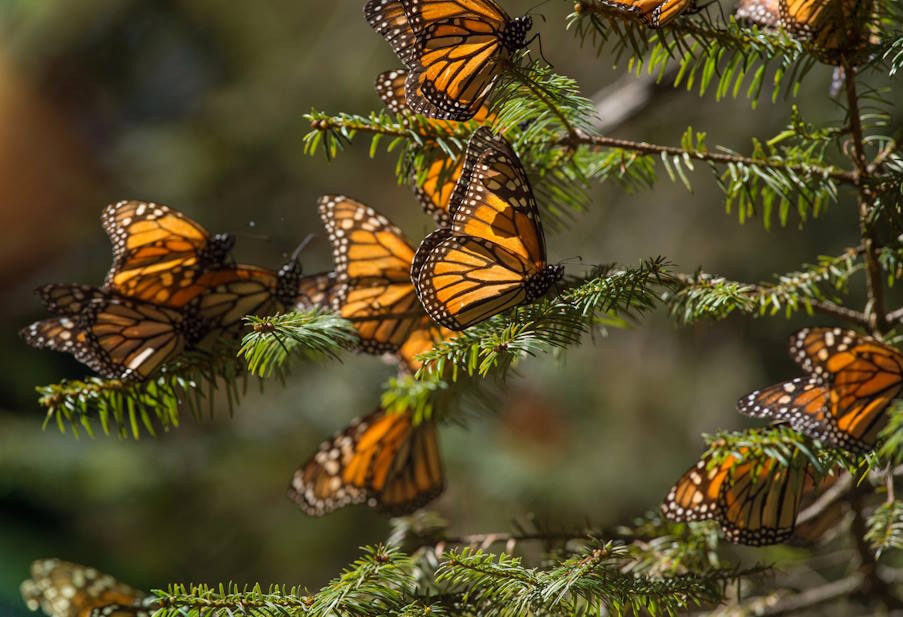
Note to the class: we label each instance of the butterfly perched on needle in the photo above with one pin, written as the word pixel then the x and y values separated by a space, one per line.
pixel 64 589
pixel 372 286
pixel 159 253
pixel 383 460
pixel 492 255
pixel 652 13
pixel 754 502
pixel 852 380
pixel 454 50
pixel 434 189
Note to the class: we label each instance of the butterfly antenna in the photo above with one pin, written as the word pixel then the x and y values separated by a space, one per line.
pixel 538 37
pixel 533 8
pixel 302 246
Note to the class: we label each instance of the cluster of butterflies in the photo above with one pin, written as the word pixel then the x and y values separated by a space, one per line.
pixel 850 382
pixel 172 288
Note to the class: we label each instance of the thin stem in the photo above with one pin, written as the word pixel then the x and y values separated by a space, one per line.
pixel 875 307
pixel 599 141
pixel 577 137
pixel 873 586
pixel 535 89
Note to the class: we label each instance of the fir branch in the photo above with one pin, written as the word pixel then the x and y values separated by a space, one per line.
pixel 760 161
pixel 726 55
pixel 885 527
pixel 193 380
pixel 588 583
pixel 126 408
pixel 377 584
pixel 703 296
pixel 314 335
pixel 606 297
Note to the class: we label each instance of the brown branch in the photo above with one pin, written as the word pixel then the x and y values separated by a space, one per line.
pixel 875 308
pixel 795 604
pixel 600 141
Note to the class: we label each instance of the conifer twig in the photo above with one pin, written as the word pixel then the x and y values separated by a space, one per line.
pixel 599 141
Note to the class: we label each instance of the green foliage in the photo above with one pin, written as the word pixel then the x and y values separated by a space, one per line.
pixel 194 379
pixel 607 297
pixel 125 408
pixel 885 527
pixel 732 59
pixel 314 335
pixel 703 296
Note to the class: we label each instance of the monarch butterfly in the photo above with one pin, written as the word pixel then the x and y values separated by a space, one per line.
pixel 454 50
pixel 64 589
pixel 754 502
pixel 653 13
pixel 828 25
pixel 382 459
pixel 126 338
pixel 373 287
pixel 159 253
pixel 493 255
pixel 853 380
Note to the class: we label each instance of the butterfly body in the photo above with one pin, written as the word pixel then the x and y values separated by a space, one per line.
pixel 492 256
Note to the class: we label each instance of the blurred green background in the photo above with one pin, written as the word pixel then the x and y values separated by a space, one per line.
pixel 198 104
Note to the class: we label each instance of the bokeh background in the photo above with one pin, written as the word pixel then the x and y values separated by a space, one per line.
pixel 198 104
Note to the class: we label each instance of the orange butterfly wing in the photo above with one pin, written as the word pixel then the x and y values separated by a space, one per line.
pixel 455 50
pixel 373 286
pixel 803 402
pixel 64 589
pixel 493 256
pixel 383 460
pixel 863 375
pixel 158 252
pixel 755 505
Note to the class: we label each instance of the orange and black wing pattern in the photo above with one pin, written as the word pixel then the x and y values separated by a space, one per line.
pixel 63 589
pixel 763 13
pixel 159 253
pixel 314 291
pixel 652 13
pixel 383 460
pixel 373 286
pixel 492 257
pixel 828 25
pixel 755 503
pixel 863 376
pixel 119 338
pixel 435 190
pixel 804 403
pixel 454 50
pixel 389 19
